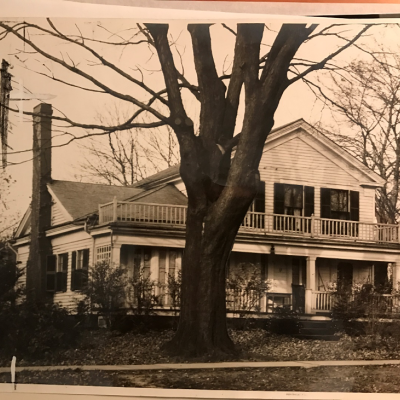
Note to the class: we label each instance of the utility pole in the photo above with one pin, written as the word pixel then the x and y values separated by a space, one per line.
pixel 5 89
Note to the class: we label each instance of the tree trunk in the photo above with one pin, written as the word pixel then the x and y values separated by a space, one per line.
pixel 202 328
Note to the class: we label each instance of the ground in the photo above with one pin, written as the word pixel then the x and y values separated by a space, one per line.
pixel 101 347
pixel 369 379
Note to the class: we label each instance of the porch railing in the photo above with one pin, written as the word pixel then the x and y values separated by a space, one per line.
pixel 322 301
pixel 285 225
pixel 384 303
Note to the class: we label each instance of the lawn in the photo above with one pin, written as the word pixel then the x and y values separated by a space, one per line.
pixel 101 347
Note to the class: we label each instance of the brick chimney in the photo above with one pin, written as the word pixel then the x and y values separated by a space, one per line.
pixel 40 246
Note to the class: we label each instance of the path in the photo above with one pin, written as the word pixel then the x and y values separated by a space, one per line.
pixel 238 364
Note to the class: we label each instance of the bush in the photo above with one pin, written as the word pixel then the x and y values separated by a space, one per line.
pixel 246 289
pixel 31 330
pixel 105 291
pixel 283 321
pixel 142 293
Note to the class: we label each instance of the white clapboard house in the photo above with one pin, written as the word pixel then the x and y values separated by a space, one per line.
pixel 312 226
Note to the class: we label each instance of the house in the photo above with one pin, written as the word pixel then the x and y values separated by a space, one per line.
pixel 311 226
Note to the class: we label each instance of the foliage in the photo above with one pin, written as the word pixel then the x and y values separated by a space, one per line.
pixel 362 302
pixel 10 273
pixel 106 290
pixel 174 285
pixel 9 219
pixel 142 293
pixel 32 330
pixel 246 288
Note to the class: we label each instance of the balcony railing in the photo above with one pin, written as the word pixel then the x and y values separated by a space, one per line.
pixel 285 225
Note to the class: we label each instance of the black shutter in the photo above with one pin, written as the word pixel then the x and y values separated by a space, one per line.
pixel 308 201
pixel 61 276
pixel 259 201
pixel 73 271
pixel 354 206
pixel 51 273
pixel 85 268
pixel 325 203
pixel 279 198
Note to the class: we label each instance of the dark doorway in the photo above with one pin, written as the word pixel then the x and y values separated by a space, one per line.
pixel 382 281
pixel 344 277
pixel 298 284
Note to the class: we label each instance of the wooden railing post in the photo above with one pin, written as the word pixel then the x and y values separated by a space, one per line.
pixel 115 205
pixel 312 225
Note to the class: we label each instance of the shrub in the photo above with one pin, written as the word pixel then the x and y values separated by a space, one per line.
pixel 174 285
pixel 105 291
pixel 31 329
pixel 10 273
pixel 246 289
pixel 142 293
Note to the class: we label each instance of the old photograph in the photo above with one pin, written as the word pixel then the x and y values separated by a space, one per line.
pixel 192 205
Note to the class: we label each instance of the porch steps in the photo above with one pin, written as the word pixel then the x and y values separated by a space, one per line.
pixel 317 330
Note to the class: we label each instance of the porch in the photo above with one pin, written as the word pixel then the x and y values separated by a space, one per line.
pixel 254 222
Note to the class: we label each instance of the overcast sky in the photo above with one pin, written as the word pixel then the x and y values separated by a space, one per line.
pixel 82 106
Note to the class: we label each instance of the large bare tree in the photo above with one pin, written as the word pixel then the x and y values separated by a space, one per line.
pixel 220 187
pixel 364 96
pixel 128 156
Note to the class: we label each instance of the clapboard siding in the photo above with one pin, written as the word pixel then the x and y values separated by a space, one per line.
pixel 57 215
pixel 67 244
pixel 298 162
pixel 23 255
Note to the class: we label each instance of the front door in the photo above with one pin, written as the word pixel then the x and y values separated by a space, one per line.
pixel 298 287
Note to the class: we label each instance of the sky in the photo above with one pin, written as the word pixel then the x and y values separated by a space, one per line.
pixel 83 106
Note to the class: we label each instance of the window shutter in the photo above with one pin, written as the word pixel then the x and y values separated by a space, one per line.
pixel 325 203
pixel 259 200
pixel 354 206
pixel 73 271
pixel 61 275
pixel 51 273
pixel 279 198
pixel 85 269
pixel 85 259
pixel 308 201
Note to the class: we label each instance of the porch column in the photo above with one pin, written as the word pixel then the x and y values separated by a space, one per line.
pixel 396 275
pixel 310 283
pixel 116 254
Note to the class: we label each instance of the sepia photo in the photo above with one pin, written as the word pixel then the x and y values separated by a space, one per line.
pixel 193 205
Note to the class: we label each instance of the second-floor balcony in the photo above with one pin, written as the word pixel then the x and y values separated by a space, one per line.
pixel 258 223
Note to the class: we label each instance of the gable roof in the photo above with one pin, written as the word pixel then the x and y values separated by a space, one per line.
pixel 287 132
pixel 161 177
pixel 165 194
pixel 80 198
pixel 371 178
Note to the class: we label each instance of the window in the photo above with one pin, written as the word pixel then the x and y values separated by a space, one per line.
pixel 103 253
pixel 79 269
pixel 56 273
pixel 293 200
pixel 340 204
pixel 168 268
pixel 257 209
